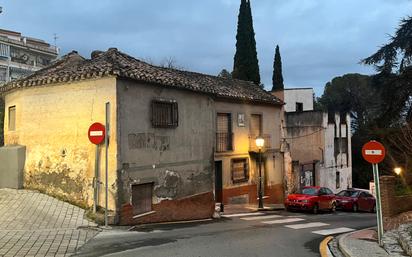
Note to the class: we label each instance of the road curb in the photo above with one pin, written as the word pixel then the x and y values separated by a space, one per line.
pixel 148 225
pixel 323 247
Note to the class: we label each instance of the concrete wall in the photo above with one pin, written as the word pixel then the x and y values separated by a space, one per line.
pixel 273 159
pixel 52 122
pixel 179 164
pixel 301 95
pixel 12 160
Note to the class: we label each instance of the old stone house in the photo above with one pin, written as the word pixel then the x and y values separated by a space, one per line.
pixel 163 136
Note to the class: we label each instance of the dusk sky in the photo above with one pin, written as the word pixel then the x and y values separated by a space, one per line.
pixel 318 39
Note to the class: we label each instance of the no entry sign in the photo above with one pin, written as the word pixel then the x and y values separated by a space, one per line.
pixel 96 133
pixel 373 152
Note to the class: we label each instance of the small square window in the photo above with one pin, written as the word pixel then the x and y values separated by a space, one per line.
pixel 240 170
pixel 299 107
pixel 165 114
pixel 12 118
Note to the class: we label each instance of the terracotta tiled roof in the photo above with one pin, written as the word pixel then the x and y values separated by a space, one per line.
pixel 72 67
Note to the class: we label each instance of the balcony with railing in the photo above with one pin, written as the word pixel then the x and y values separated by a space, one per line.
pixel 224 142
pixel 252 142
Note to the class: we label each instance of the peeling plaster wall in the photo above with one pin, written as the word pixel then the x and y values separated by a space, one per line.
pixel 272 169
pixel 312 138
pixel 52 122
pixel 178 161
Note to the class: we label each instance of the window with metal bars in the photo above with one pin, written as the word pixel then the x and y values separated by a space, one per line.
pixel 165 114
pixel 224 135
pixel 240 170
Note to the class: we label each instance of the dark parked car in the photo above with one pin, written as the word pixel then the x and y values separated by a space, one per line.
pixel 355 200
pixel 312 199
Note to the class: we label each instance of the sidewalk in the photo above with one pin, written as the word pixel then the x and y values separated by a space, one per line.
pixel 34 224
pixel 363 243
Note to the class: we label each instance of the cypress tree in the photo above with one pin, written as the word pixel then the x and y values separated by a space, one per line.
pixel 246 65
pixel 401 67
pixel 277 78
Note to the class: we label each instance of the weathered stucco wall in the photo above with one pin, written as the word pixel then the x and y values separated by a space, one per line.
pixel 52 122
pixel 305 134
pixel 342 162
pixel 312 139
pixel 178 161
pixel 272 169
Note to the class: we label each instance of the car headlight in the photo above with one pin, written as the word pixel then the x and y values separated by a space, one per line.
pixel 344 201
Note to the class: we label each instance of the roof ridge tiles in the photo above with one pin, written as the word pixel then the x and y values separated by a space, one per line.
pixel 74 67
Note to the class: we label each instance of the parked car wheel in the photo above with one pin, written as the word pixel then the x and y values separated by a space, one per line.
pixel 355 207
pixel 333 209
pixel 315 209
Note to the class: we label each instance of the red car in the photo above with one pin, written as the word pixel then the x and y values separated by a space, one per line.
pixel 355 200
pixel 312 199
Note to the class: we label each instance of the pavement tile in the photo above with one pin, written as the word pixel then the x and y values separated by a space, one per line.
pixel 34 224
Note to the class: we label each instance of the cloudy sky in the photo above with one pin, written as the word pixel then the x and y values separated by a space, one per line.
pixel 319 39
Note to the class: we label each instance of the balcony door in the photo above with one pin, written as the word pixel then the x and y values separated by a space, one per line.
pixel 256 125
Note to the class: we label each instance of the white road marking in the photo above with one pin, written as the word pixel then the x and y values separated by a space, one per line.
pixel 96 133
pixel 327 232
pixel 307 225
pixel 282 221
pixel 262 217
pixel 243 214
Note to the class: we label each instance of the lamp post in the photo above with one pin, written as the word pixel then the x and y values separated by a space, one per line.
pixel 397 170
pixel 260 142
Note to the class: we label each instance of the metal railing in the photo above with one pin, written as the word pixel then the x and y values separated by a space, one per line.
pixel 224 142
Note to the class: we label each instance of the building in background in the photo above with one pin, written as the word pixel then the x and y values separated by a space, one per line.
pixel 319 143
pixel 298 99
pixel 21 55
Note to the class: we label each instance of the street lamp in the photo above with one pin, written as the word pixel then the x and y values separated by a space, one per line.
pixel 260 143
pixel 397 170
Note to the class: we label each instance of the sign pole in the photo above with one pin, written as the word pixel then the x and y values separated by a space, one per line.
pixel 96 180
pixel 106 143
pixel 374 153
pixel 378 202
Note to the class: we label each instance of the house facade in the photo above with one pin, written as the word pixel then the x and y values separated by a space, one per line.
pixel 21 55
pixel 237 156
pixel 319 145
pixel 163 131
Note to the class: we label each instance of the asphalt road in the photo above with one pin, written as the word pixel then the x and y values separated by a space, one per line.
pixel 277 233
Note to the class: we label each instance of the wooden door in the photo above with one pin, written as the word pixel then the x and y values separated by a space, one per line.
pixel 142 198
